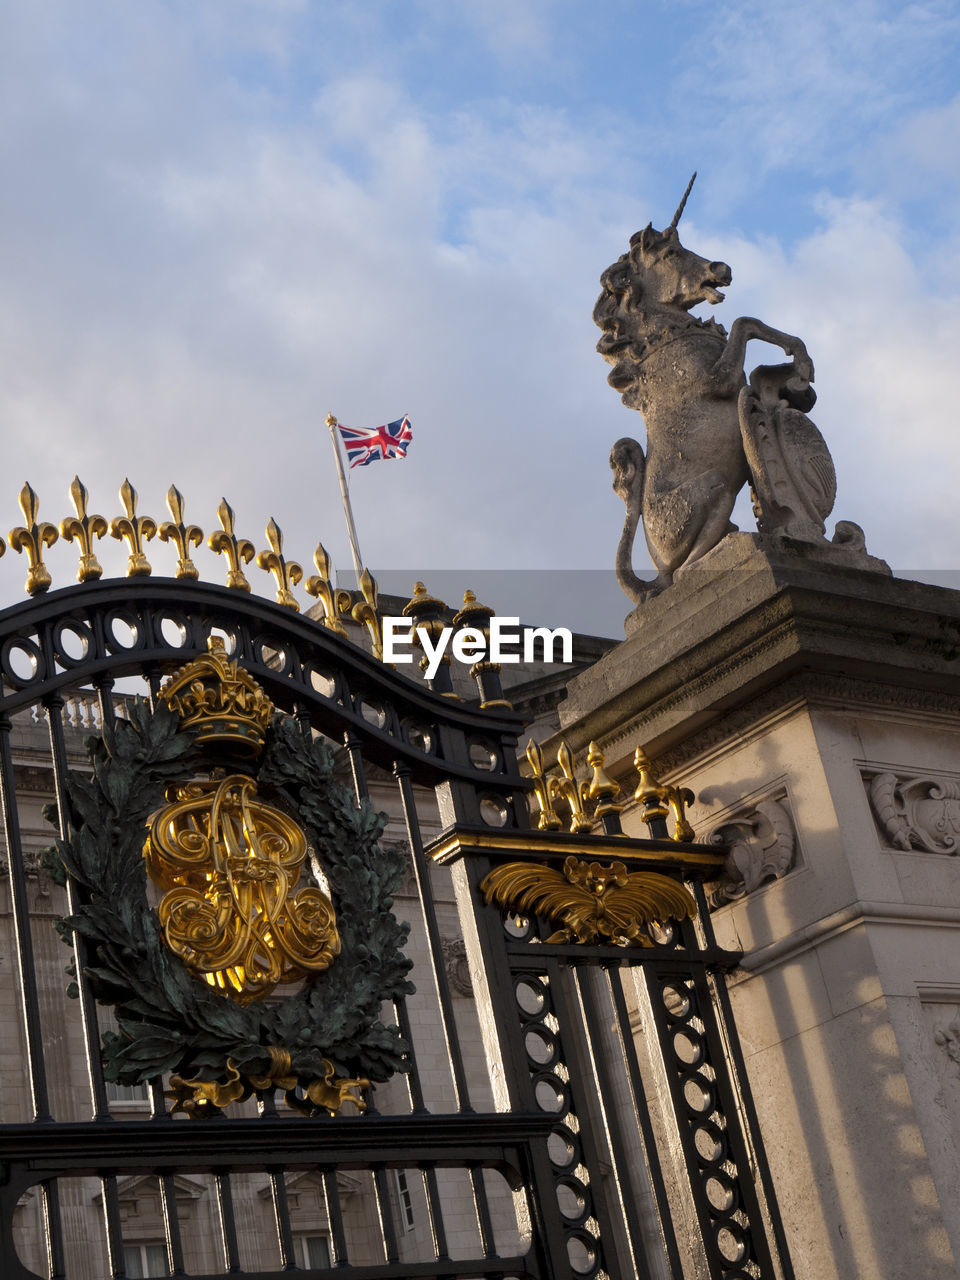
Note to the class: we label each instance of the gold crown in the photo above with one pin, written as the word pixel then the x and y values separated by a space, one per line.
pixel 219 699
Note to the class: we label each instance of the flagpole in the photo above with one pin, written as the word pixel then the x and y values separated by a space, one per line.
pixel 345 495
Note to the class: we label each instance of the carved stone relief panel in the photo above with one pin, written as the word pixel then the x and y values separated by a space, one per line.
pixel 457 968
pixel 940 1052
pixel 763 846
pixel 916 812
pixel 947 1036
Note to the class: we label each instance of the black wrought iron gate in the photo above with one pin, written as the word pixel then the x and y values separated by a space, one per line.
pixel 571 1108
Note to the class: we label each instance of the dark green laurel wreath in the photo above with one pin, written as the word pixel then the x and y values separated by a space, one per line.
pixel 170 1021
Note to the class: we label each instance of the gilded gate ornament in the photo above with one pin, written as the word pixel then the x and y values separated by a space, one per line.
pixel 185 793
pixel 591 903
pixel 84 528
pixel 32 537
pixel 239 551
pixel 135 530
pixel 183 536
pixel 229 862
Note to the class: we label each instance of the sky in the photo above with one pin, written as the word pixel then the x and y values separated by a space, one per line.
pixel 222 219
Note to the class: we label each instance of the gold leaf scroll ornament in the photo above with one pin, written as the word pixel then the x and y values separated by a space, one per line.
pixel 325 1093
pixel 228 862
pixel 592 903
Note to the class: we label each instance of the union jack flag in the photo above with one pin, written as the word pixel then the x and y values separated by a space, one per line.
pixel 369 444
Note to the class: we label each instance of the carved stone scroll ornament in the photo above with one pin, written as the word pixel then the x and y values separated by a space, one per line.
pixel 948 1038
pixel 707 432
pixel 456 965
pixel 917 813
pixel 762 848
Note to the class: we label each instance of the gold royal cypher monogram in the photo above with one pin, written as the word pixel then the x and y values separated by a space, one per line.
pixel 228 861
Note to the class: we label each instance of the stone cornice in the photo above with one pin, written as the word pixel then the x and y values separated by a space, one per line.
pixel 726 649
pixel 776 953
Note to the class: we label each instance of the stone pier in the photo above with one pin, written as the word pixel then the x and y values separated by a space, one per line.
pixel 814 709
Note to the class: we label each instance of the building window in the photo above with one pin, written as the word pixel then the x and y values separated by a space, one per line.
pixel 311 1252
pixel 407 1220
pixel 137 1093
pixel 142 1260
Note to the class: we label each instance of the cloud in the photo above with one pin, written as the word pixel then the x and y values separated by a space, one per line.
pixel 218 238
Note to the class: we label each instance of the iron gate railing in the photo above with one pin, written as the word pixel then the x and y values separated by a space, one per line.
pixel 583 1113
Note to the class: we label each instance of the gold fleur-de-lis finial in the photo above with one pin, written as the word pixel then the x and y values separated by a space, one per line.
pixel 545 788
pixel 135 529
pixel 183 536
pixel 287 572
pixel 239 551
pixel 366 611
pixel 84 528
pixel 334 600
pixel 32 537
pixel 571 790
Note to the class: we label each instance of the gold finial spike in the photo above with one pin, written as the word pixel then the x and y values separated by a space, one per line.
pixel 602 789
pixel 649 792
pixel 239 551
pixel 84 528
pixel 287 572
pixel 135 529
pixel 366 611
pixel 331 421
pixel 32 537
pixel 545 789
pixel 570 789
pixel 658 799
pixel 334 600
pixel 183 536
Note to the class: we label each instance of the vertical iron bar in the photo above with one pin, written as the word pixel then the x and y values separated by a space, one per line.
pixel 388 1228
pixel 484 1220
pixel 435 1211
pixel 302 714
pixel 338 1239
pixel 411 1077
pixel 158 1103
pixel 481 1205
pixel 354 754
pixel 572 1050
pixel 643 1119
pixel 729 1034
pixel 629 1195
pixel 88 1008
pixel 154 679
pixel 228 1222
pixel 111 1221
pixel 26 971
pixel 104 688
pixel 171 1224
pixel 281 1213
pixel 448 1022
pixel 53 1232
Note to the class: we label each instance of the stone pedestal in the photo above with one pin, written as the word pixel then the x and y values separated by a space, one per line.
pixel 814 709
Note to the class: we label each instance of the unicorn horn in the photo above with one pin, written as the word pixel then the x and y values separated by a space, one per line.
pixel 676 216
